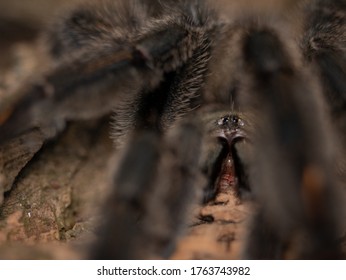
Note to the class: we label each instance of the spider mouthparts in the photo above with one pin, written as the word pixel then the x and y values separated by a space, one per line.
pixel 227 178
pixel 231 174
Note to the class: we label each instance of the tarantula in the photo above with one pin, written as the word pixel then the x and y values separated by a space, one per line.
pixel 206 97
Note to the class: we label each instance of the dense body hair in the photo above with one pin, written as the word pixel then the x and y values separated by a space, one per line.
pixel 203 99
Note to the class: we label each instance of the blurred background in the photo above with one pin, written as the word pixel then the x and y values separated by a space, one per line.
pixel 25 14
pixel 21 21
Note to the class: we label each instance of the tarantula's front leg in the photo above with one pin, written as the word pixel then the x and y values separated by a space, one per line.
pixel 100 56
pixel 293 175
pixel 156 185
pixel 324 43
pixel 324 47
pixel 94 61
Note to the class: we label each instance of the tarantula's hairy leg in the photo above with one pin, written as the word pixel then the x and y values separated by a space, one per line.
pixel 108 61
pixel 177 95
pixel 293 176
pixel 102 56
pixel 324 46
pixel 324 42
pixel 132 181
pixel 154 173
pixel 41 105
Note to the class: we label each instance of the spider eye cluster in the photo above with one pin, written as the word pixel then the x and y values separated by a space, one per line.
pixel 230 122
pixel 231 128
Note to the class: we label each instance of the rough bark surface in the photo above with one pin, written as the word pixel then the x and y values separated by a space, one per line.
pixel 55 197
